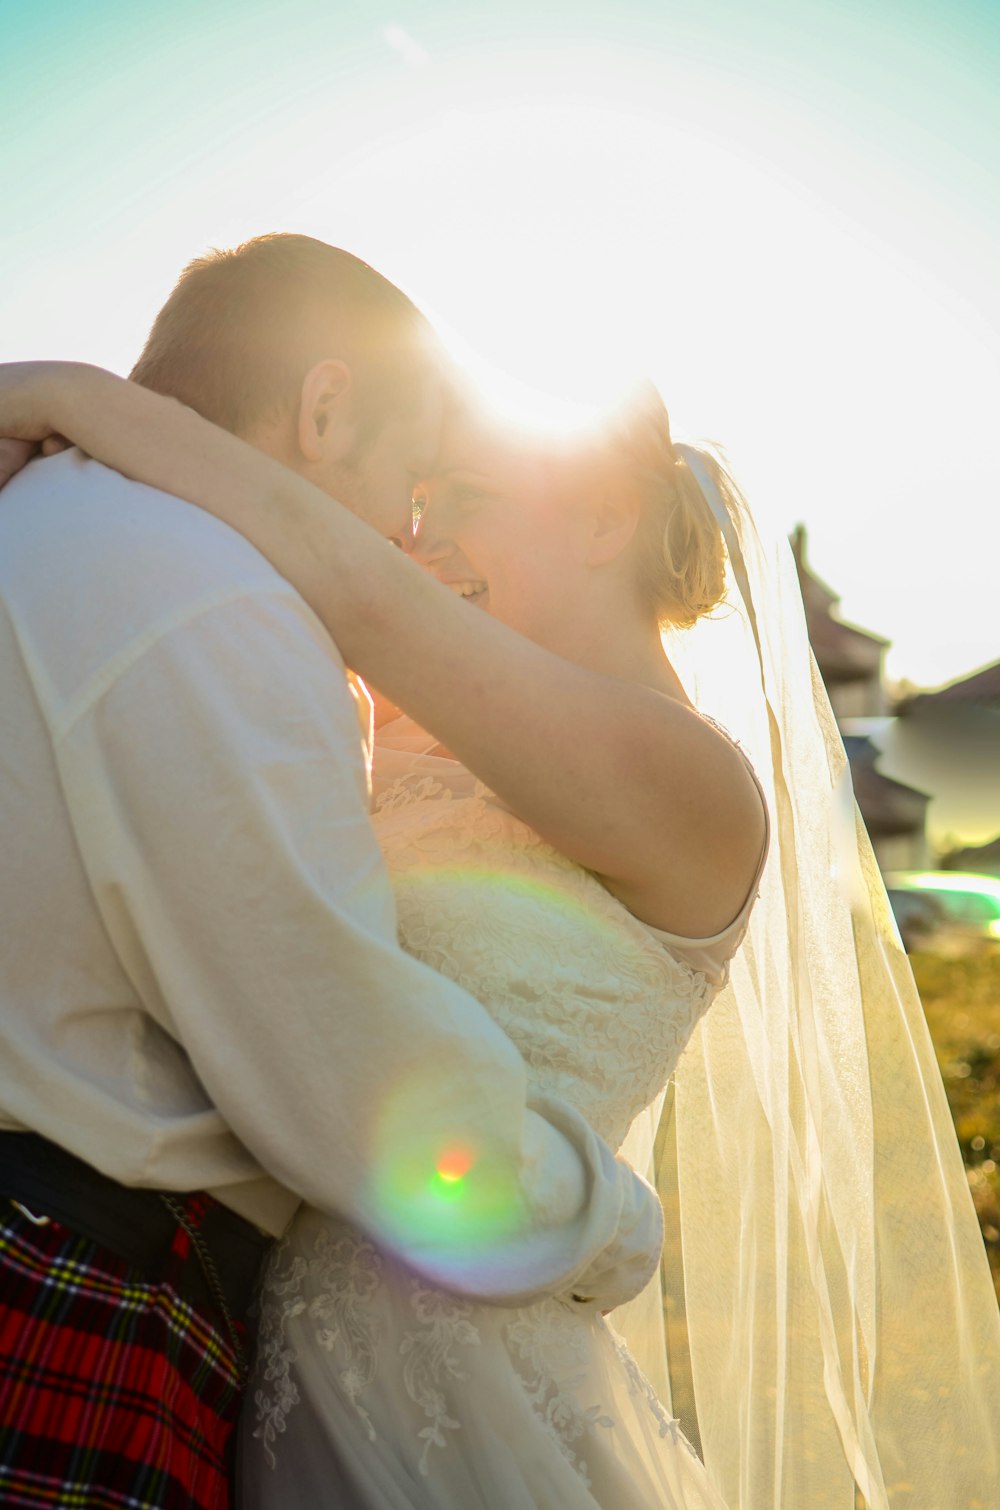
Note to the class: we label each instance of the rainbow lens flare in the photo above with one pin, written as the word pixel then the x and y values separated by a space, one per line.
pixel 445 1198
pixel 446 1155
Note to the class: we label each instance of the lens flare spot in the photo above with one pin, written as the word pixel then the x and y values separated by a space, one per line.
pixel 446 1189
pixel 454 1164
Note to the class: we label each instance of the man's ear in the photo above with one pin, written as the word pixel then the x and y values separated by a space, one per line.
pixel 614 518
pixel 327 424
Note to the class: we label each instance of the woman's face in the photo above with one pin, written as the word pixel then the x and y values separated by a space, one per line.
pixel 501 523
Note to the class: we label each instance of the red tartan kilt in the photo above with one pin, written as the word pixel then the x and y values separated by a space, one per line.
pixel 116 1393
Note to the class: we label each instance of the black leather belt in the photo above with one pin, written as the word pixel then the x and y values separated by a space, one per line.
pixel 137 1225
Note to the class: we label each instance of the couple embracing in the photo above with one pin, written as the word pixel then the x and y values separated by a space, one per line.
pixel 401 1005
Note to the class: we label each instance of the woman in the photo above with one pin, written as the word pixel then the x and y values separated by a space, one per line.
pixel 431 1401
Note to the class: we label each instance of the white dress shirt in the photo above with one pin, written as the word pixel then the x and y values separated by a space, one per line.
pixel 200 984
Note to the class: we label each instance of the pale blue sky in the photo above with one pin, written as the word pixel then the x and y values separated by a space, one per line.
pixel 789 212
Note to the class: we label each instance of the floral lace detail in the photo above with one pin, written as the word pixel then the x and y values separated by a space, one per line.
pixel 343 1274
pixel 430 1359
pixel 273 1354
pixel 599 1009
pixel 411 786
pixel 552 1348
pixel 640 1385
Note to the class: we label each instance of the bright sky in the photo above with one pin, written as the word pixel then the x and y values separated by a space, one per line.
pixel 786 210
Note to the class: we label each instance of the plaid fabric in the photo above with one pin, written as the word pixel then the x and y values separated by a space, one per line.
pixel 115 1392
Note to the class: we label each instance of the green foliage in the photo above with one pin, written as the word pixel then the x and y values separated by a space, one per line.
pixel 962 1002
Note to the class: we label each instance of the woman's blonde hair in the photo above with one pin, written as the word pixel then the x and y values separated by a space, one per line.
pixel 681 555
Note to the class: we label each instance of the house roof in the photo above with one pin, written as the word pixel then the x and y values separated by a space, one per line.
pixel 981 689
pixel 843 652
pixel 815 592
pixel 974 855
pixel 887 806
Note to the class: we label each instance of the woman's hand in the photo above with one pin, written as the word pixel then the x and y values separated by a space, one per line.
pixel 30 398
pixel 14 454
pixel 29 410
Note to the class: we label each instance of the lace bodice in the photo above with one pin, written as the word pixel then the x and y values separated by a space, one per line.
pixel 539 1406
pixel 598 1007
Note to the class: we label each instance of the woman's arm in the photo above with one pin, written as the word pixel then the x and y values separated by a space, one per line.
pixel 625 781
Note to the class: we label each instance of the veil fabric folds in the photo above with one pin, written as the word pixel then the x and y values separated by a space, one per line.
pixel 825 1323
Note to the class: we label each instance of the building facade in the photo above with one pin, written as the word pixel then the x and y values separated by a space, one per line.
pixel 852 664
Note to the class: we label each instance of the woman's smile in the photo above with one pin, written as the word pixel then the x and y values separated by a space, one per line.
pixel 472 589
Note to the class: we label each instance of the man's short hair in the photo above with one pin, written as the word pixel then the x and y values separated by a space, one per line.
pixel 243 327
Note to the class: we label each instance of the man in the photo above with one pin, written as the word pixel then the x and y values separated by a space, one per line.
pixel 204 1014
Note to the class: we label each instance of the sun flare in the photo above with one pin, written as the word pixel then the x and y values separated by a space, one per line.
pixel 796 244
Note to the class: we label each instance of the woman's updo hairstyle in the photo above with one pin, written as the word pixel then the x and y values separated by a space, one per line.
pixel 679 544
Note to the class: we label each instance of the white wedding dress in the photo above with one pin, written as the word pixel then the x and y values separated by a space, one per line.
pixel 375 1390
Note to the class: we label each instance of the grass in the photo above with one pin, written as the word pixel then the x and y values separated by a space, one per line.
pixel 961 1000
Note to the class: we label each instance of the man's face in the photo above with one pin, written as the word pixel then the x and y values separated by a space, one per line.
pixel 378 483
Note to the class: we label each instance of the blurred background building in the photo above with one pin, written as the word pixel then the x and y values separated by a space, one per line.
pixel 926 774
pixel 926 764
pixel 851 662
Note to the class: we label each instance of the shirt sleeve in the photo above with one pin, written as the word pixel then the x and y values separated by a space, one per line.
pixel 216 784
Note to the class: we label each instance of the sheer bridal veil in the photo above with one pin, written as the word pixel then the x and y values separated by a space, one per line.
pixel 825 1323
